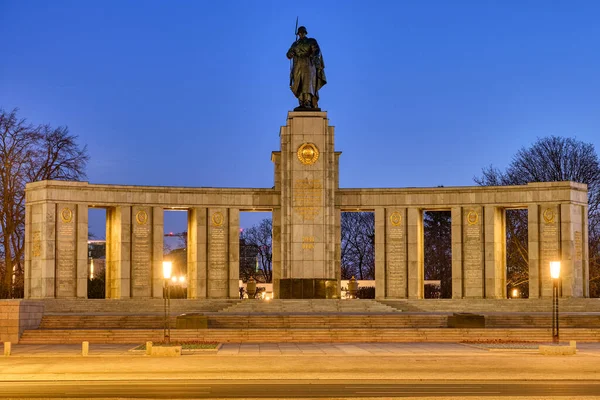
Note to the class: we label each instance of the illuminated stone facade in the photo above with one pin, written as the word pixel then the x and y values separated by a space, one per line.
pixel 306 203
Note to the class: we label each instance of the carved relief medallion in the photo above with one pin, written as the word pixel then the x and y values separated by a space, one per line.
pixel 66 215
pixel 308 154
pixel 472 218
pixel 217 219
pixel 141 217
pixel 396 218
pixel 549 215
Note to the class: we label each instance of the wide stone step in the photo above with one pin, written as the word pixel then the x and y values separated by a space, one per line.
pixel 222 321
pixel 493 305
pixel 306 335
pixel 155 305
pixel 314 320
pixel 124 306
pixel 218 320
pixel 309 306
pixel 104 321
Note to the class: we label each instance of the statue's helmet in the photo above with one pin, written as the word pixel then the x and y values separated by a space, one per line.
pixel 302 29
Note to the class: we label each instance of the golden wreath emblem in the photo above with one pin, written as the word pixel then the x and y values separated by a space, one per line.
pixel 472 218
pixel 549 215
pixel 308 154
pixel 141 217
pixel 217 219
pixel 66 215
pixel 396 218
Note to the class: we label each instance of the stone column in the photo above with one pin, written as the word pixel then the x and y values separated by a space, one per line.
pixel 307 176
pixel 495 255
pixel 218 251
pixel 473 260
pixel 457 252
pixel 549 239
pixel 276 240
pixel 380 254
pixel 197 253
pixel 571 233
pixel 158 232
pixel 338 249
pixel 276 249
pixel 82 251
pixel 27 255
pixel 415 253
pixel 585 264
pixel 66 250
pixel 141 251
pixel 118 252
pixel 533 246
pixel 40 256
pixel 330 186
pixel 396 267
pixel 234 253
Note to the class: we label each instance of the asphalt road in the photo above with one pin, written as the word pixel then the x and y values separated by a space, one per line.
pixel 183 389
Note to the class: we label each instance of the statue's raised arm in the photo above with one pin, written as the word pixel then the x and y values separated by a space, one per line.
pixel 308 71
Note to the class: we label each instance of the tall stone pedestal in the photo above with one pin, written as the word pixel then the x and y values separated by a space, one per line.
pixel 306 173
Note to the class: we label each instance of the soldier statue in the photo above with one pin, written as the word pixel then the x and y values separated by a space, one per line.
pixel 307 75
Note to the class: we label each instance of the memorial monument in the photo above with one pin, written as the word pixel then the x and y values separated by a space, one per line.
pixel 306 203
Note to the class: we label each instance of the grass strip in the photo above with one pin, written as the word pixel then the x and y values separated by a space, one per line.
pixel 187 345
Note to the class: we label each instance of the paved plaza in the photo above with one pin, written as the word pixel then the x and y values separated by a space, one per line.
pixel 304 349
pixel 270 349
pixel 436 368
pixel 306 360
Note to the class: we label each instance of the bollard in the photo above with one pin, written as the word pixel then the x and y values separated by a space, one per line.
pixel 148 348
pixel 85 348
pixel 7 347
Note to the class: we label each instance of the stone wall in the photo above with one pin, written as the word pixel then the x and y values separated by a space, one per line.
pixel 18 315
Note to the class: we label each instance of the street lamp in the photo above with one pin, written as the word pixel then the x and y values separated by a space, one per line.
pixel 167 267
pixel 555 275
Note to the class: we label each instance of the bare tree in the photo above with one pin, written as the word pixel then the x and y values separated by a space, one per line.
pixel 248 260
pixel 517 252
pixel 438 250
pixel 358 245
pixel 28 153
pixel 256 250
pixel 552 159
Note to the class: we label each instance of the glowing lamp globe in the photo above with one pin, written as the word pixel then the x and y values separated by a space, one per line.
pixel 555 269
pixel 167 267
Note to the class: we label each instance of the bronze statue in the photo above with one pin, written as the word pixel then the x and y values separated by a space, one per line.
pixel 307 75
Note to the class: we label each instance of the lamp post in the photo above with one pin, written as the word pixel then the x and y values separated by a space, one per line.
pixel 555 275
pixel 167 267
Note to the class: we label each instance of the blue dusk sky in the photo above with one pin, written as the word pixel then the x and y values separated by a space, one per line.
pixel 192 93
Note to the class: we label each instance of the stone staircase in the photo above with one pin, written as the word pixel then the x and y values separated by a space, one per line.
pixel 493 305
pixel 104 321
pixel 224 320
pixel 278 306
pixel 252 321
pixel 180 306
pixel 132 306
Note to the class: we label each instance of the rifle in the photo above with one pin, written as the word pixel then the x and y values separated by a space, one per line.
pixel 292 60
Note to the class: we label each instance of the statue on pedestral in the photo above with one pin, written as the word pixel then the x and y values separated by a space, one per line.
pixel 308 71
